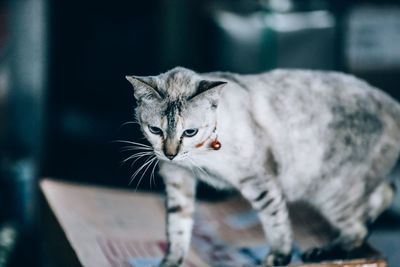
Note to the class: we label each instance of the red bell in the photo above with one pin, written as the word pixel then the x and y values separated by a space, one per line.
pixel 216 145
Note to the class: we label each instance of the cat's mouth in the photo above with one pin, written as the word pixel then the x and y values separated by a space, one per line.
pixel 173 158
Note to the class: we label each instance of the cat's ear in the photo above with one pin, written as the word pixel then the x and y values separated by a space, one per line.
pixel 210 90
pixel 144 87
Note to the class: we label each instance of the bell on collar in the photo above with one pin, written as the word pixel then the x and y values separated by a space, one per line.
pixel 216 145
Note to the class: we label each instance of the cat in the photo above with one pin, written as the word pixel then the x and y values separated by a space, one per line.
pixel 324 138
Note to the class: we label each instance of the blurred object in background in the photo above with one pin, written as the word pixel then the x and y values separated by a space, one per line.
pixel 93 47
pixel 8 237
pixel 372 50
pixel 285 33
pixel 23 48
pixel 373 38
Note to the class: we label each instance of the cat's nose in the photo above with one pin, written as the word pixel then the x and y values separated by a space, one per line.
pixel 170 156
pixel 171 147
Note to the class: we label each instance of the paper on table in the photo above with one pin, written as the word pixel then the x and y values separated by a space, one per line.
pixel 111 227
pixel 114 227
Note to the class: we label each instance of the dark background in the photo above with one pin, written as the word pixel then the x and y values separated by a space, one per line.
pixel 64 99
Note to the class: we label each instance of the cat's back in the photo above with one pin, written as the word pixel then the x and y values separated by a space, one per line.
pixel 306 83
pixel 321 121
pixel 299 86
pixel 306 103
pixel 295 92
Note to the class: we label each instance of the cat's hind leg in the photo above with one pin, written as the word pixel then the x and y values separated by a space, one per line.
pixel 346 212
pixel 342 247
pixel 353 229
pixel 352 225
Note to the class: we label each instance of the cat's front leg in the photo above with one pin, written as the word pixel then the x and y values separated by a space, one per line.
pixel 180 188
pixel 265 196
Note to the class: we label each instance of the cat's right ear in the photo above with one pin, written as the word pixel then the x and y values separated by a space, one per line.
pixel 144 87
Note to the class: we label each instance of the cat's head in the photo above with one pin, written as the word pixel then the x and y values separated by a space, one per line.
pixel 176 111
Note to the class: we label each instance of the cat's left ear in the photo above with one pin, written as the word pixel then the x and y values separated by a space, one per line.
pixel 210 90
pixel 144 87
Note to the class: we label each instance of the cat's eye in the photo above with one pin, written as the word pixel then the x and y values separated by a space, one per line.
pixel 190 132
pixel 155 130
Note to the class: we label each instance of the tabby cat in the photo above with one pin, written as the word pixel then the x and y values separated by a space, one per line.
pixel 325 138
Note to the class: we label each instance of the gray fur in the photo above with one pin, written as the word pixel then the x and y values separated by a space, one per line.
pixel 325 138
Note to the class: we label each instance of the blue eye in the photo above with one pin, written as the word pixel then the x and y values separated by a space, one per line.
pixel 190 132
pixel 155 130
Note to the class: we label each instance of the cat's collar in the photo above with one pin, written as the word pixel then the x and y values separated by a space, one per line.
pixel 216 145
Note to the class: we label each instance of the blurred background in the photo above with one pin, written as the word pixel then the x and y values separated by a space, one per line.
pixel 64 99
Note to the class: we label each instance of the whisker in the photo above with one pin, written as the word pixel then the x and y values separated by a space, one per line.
pixel 131 142
pixel 152 173
pixel 130 148
pixel 144 172
pixel 194 174
pixel 129 122
pixel 158 154
pixel 138 170
pixel 137 155
pixel 143 150
pixel 198 168
pixel 133 163
pixel 133 176
pixel 142 153
pixel 151 178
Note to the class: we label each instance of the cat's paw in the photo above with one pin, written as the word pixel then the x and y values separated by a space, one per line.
pixel 322 254
pixel 277 259
pixel 314 255
pixel 170 263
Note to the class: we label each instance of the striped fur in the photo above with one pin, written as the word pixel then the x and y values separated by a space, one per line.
pixel 324 138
